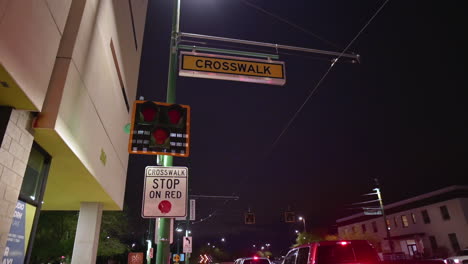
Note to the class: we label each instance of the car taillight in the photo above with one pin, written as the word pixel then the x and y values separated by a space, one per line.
pixel 255 258
pixel 344 243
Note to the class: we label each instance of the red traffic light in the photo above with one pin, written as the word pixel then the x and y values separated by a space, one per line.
pixel 249 218
pixel 160 129
pixel 160 135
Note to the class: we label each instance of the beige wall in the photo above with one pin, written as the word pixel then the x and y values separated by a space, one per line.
pixel 57 54
pixel 29 44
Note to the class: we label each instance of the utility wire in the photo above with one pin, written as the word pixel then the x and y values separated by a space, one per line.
pixel 326 74
pixel 290 23
pixel 303 104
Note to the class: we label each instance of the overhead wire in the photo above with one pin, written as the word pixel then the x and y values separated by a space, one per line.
pixel 290 23
pixel 307 98
pixel 324 76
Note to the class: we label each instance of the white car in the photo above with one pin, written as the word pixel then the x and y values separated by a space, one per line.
pixel 253 260
pixel 461 258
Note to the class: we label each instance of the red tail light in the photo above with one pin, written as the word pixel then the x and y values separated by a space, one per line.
pixel 344 243
pixel 255 258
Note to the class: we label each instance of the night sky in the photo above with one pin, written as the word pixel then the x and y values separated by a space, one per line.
pixel 399 116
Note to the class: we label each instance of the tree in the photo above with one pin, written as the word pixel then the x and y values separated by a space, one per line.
pixel 374 240
pixel 330 237
pixel 56 230
pixel 305 238
pixel 113 227
pixel 55 236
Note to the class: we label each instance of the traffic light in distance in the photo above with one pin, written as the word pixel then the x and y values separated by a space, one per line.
pixel 289 217
pixel 249 218
pixel 160 129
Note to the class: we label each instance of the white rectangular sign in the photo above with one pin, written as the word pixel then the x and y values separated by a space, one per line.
pixel 191 214
pixel 165 192
pixel 192 210
pixel 187 248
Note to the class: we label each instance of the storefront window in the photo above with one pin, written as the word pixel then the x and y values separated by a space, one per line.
pixel 36 170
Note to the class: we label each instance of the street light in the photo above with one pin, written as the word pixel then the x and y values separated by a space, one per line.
pixel 303 221
pixel 179 230
pixel 223 239
pixel 296 231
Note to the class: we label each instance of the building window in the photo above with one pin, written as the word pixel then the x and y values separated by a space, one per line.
pixel 395 221
pixel 413 217
pixel 433 242
pixel 425 216
pixel 364 228
pixel 445 213
pixel 454 242
pixel 404 221
pixel 34 178
pixel 374 227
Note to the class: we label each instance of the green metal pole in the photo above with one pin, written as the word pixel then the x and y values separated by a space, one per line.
pixel 165 223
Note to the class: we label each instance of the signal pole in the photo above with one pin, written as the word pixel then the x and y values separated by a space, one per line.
pixel 162 252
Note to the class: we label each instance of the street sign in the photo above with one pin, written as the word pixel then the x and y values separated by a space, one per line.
pixel 221 67
pixel 187 244
pixel 171 234
pixel 191 214
pixel 372 212
pixel 165 192
pixel 135 258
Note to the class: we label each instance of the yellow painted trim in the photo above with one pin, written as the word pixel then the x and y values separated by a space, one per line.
pixel 30 213
pixel 13 95
pixel 69 182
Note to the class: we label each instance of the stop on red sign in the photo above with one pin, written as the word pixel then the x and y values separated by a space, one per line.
pixel 165 192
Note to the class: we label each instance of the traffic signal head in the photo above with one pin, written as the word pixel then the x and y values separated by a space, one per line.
pixel 289 217
pixel 160 129
pixel 249 218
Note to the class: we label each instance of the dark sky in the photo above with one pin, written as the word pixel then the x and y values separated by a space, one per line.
pixel 399 116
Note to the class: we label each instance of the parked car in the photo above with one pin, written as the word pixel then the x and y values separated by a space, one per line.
pixel 460 258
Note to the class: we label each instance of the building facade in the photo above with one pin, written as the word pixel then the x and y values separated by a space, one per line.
pixel 68 77
pixel 433 224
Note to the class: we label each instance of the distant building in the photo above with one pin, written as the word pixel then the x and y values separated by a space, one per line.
pixel 433 224
pixel 68 78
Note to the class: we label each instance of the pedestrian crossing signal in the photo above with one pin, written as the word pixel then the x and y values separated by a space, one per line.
pixel 160 129
pixel 249 218
pixel 289 217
